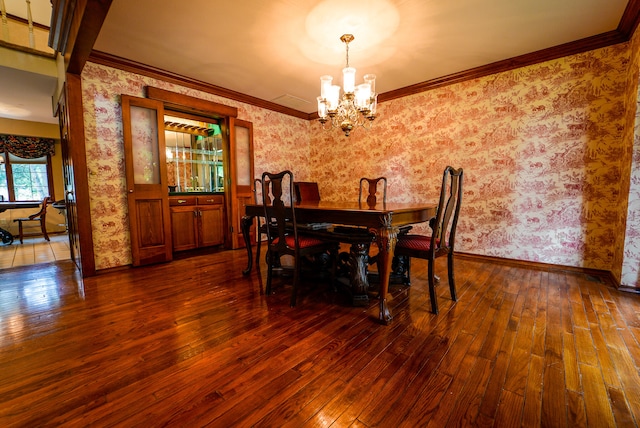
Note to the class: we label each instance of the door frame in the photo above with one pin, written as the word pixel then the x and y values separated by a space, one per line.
pixel 234 197
pixel 72 139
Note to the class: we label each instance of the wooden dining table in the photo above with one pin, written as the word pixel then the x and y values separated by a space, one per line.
pixel 383 220
pixel 5 236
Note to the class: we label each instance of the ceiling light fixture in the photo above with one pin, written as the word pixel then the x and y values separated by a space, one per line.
pixel 356 107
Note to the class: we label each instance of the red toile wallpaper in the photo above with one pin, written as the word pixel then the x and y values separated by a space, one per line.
pixel 542 149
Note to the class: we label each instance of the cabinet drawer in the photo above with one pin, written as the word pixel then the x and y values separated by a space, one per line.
pixel 182 200
pixel 210 200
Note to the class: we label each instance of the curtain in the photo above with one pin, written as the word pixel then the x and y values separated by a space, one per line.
pixel 27 147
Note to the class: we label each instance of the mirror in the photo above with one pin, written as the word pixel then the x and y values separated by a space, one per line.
pixel 194 152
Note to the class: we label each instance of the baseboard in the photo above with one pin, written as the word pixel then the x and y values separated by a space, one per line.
pixel 604 275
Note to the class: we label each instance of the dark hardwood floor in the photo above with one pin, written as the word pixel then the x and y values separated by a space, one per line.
pixel 195 343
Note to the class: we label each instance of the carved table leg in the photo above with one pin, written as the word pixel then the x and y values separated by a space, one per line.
pixel 358 256
pixel 386 237
pixel 245 225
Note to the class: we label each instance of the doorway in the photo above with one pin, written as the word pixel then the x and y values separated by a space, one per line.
pixel 35 250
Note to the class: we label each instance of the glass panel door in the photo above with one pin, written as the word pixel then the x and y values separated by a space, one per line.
pixel 144 130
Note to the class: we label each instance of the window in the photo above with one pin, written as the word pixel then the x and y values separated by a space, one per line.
pixel 25 179
pixel 4 188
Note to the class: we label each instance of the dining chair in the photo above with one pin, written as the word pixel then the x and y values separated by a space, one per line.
pixel 306 191
pixel 283 236
pixel 370 186
pixel 40 216
pixel 441 241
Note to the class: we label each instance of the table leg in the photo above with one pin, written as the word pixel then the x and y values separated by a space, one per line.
pixel 386 237
pixel 358 255
pixel 245 225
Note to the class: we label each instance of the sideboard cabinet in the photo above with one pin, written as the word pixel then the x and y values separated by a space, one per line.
pixel 197 221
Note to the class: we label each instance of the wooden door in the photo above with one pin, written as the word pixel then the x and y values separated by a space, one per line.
pixel 68 176
pixel 146 172
pixel 241 169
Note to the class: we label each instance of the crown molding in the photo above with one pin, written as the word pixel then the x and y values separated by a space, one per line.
pixel 120 63
pixel 567 49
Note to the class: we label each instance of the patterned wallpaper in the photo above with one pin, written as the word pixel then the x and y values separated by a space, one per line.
pixel 630 270
pixel 542 148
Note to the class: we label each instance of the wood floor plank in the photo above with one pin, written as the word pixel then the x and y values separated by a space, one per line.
pixel 596 403
pixel 533 393
pixel 553 396
pixel 540 329
pixel 576 412
pixel 585 347
pixel 500 359
pixel 467 407
pixel 621 412
pixel 604 360
pixel 570 360
pixel 516 376
pixel 511 405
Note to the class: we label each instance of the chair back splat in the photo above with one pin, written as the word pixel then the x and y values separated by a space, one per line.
pixel 441 242
pixel 370 185
pixel 446 220
pixel 283 236
pixel 261 226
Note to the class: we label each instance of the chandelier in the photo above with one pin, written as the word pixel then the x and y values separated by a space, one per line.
pixel 356 107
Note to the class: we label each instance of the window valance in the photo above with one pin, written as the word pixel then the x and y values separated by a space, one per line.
pixel 27 147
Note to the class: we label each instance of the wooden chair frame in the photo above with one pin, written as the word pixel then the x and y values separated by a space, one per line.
pixel 441 242
pixel 282 234
pixel 40 216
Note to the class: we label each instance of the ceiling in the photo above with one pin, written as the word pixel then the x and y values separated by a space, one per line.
pixel 276 50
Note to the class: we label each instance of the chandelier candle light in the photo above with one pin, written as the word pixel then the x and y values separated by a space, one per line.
pixel 357 107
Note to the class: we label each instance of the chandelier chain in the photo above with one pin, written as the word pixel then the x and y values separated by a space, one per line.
pixel 347 43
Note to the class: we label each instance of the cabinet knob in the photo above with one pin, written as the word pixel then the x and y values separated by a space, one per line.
pixel 182 201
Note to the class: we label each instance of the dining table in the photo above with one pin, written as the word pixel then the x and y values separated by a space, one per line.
pixel 5 235
pixel 382 220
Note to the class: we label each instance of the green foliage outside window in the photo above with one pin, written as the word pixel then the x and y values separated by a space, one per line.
pixel 30 181
pixel 4 188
